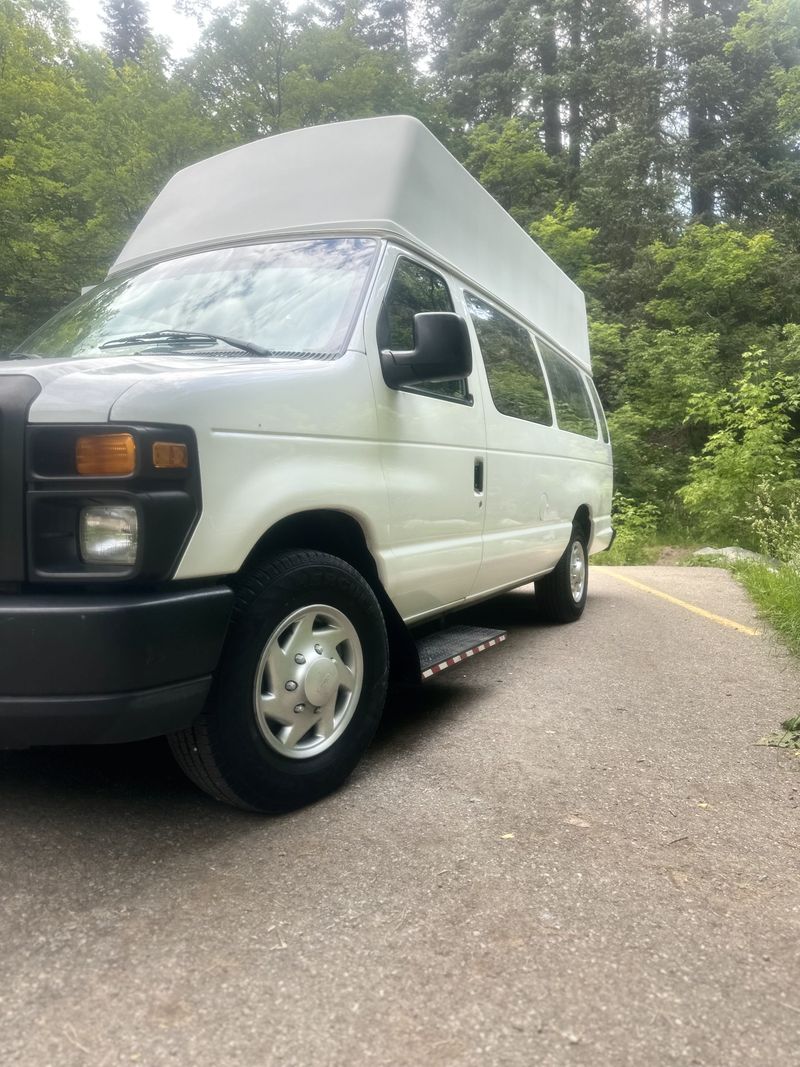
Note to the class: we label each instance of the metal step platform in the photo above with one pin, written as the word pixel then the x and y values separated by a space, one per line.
pixel 446 648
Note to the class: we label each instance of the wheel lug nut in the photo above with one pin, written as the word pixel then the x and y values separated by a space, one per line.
pixel 298 708
pixel 318 649
pixel 291 685
pixel 299 658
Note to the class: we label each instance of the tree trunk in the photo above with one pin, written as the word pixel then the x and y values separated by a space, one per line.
pixel 657 102
pixel 551 98
pixel 702 139
pixel 575 120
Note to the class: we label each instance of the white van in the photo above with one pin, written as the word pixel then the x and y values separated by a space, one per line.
pixel 329 391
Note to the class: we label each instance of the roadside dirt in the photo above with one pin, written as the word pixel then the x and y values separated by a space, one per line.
pixel 673 556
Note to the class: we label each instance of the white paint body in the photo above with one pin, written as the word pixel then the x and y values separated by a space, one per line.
pixel 280 437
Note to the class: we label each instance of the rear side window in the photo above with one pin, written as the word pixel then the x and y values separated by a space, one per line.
pixel 415 289
pixel 573 407
pixel 599 408
pixel 512 365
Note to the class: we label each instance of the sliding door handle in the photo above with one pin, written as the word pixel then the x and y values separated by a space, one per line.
pixel 478 477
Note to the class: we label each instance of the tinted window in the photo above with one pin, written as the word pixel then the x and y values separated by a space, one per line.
pixel 573 406
pixel 599 408
pixel 414 289
pixel 512 366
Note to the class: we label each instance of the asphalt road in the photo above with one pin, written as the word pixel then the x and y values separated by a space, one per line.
pixel 569 852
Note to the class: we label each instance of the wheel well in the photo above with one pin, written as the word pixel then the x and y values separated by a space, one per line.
pixel 583 520
pixel 326 531
pixel 341 535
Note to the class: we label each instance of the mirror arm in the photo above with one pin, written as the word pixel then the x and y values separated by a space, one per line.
pixel 396 367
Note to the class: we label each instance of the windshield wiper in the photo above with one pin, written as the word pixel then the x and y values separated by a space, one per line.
pixel 184 337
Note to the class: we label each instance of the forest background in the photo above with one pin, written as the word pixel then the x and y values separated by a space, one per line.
pixel 651 148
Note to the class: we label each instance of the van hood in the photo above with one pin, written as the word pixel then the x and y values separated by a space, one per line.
pixel 86 390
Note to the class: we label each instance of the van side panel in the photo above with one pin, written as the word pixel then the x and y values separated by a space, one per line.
pixel 536 479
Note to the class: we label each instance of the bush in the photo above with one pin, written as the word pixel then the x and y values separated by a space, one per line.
pixel 752 451
pixel 775 522
pixel 635 526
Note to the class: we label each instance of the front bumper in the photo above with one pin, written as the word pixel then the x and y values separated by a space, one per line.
pixel 92 669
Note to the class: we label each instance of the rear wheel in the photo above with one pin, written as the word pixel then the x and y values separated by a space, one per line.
pixel 299 691
pixel 561 595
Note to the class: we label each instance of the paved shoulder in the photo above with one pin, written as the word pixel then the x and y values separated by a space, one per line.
pixel 710 589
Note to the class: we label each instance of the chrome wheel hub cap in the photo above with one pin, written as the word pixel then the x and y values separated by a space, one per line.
pixel 577 571
pixel 308 681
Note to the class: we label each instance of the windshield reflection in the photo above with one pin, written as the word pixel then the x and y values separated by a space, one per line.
pixel 290 297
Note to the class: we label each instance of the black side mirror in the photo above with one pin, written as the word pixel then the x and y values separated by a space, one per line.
pixel 442 352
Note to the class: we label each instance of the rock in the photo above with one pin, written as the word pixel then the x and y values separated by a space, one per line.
pixel 734 554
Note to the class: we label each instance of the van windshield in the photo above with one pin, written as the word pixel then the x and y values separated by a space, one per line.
pixel 285 297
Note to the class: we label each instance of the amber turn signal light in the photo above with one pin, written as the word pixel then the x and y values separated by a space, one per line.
pixel 101 455
pixel 168 455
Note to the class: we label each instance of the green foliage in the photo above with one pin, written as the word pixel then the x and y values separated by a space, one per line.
pixel 658 371
pixel 775 521
pixel 262 71
pixel 83 150
pixel 772 26
pixel 635 526
pixel 679 384
pixel 788 84
pixel 239 67
pixel 571 245
pixel 619 182
pixel 777 597
pixel 42 109
pixel 333 76
pixel 751 449
pixel 717 279
pixel 663 370
pixel 768 34
pixel 507 158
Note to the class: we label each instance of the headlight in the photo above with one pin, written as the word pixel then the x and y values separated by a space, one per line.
pixel 107 506
pixel 109 535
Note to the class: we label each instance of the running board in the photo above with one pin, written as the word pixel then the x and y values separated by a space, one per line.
pixel 446 648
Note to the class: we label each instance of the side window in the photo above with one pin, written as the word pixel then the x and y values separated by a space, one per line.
pixel 512 365
pixel 573 407
pixel 413 289
pixel 599 409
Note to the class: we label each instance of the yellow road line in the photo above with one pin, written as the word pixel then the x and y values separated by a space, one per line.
pixel 684 604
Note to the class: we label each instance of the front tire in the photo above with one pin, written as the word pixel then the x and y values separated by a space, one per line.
pixel 561 595
pixel 299 691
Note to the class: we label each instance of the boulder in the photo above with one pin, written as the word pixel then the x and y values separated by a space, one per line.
pixel 734 554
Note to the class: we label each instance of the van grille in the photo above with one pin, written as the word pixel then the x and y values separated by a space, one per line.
pixel 17 393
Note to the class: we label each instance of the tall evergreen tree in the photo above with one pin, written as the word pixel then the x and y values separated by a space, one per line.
pixel 760 184
pixel 479 51
pixel 705 87
pixel 127 30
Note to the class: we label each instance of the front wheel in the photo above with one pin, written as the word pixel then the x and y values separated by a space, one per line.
pixel 300 689
pixel 561 595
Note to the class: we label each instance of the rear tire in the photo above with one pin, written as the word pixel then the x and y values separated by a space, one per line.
pixel 561 595
pixel 299 691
